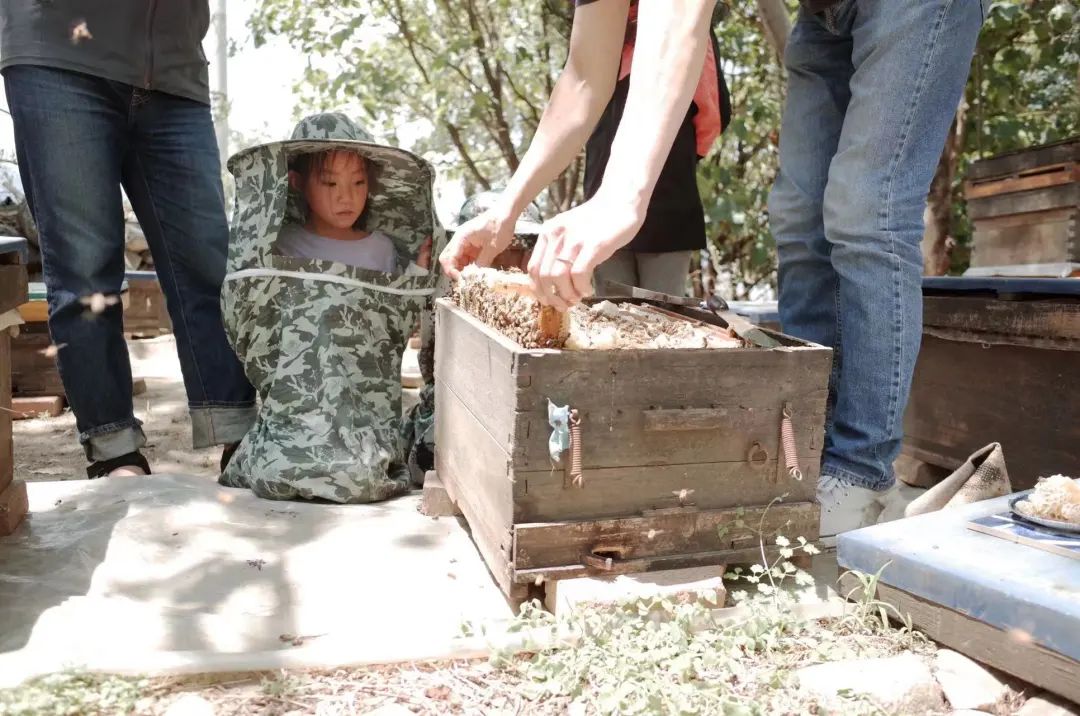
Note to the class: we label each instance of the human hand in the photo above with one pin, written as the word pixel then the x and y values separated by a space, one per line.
pixel 479 240
pixel 423 257
pixel 574 243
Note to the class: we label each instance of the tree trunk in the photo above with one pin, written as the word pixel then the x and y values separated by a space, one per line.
pixel 776 21
pixel 938 243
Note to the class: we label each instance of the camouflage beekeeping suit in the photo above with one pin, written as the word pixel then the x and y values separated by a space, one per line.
pixel 419 427
pixel 322 341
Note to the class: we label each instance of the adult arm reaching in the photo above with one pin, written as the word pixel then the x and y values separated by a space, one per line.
pixel 577 100
pixel 672 36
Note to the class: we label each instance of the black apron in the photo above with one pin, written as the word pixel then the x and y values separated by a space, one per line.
pixel 675 218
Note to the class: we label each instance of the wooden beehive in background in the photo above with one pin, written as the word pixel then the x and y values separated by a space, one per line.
pixel 13 498
pixel 681 451
pixel 1025 209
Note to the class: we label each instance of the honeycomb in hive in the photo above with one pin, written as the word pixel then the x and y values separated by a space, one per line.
pixel 501 300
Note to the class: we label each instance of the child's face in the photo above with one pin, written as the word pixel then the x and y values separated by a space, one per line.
pixel 338 193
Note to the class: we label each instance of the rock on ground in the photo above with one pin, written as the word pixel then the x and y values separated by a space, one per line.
pixel 898 684
pixel 391 710
pixel 966 683
pixel 190 705
pixel 1045 704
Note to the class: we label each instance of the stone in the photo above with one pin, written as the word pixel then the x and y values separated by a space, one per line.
pixel 393 709
pixel 897 684
pixel 436 501
pixel 1044 704
pixel 967 684
pixel 190 705
pixel 701 585
pixel 410 369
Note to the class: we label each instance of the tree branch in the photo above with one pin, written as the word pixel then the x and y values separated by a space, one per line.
pixel 455 137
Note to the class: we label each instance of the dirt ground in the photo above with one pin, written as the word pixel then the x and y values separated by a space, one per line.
pixel 48 448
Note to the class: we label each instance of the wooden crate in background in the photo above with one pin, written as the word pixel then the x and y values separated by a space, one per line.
pixel 145 314
pixel 1000 362
pixel 1025 211
pixel 13 500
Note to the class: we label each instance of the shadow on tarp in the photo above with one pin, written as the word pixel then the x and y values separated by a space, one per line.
pixel 105 571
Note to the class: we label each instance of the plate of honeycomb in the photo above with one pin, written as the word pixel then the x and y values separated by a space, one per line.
pixel 1054 503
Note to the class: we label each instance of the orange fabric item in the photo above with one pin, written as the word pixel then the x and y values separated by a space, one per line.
pixel 708 123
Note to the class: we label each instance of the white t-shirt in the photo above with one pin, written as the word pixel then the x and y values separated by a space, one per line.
pixel 376 252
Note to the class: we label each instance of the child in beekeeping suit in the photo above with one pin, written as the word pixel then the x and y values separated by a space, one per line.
pixel 334 185
pixel 419 427
pixel 327 279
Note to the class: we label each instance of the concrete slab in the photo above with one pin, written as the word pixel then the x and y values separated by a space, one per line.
pixel 125 573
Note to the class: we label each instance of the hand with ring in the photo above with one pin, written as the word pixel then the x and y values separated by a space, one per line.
pixel 574 243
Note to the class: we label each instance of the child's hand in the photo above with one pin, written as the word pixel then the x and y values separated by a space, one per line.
pixel 423 258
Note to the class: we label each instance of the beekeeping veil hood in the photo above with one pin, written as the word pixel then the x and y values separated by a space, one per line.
pixel 322 341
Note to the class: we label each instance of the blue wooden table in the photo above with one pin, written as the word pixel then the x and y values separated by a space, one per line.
pixel 1009 605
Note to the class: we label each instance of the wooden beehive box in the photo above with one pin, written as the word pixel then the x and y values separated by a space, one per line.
pixel 681 451
pixel 1025 208
pixel 998 361
pixel 13 293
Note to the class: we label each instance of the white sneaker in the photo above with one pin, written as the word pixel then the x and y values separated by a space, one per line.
pixel 896 499
pixel 846 507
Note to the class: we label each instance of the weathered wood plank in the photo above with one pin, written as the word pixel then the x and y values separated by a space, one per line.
pixel 1026 159
pixel 547 496
pixel 966 395
pixel 1055 197
pixel 981 318
pixel 13 289
pixel 33 372
pixel 1040 178
pixel 477 363
pixel 621 437
pixel 557 544
pixel 1011 653
pixel 609 380
pixel 14 505
pixel 7 459
pixel 1043 237
pixel 44 406
pixel 475 472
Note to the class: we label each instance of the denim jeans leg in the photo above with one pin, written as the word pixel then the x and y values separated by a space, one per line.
pixel 818 63
pixel 911 62
pixel 69 136
pixel 173 178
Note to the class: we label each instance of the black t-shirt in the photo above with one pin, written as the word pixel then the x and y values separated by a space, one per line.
pixel 675 219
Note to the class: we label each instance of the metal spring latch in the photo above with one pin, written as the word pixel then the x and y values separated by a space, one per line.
pixel 787 439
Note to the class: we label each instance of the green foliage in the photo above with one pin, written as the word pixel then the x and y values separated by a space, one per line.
pixel 654 655
pixel 735 178
pixel 72 694
pixel 474 78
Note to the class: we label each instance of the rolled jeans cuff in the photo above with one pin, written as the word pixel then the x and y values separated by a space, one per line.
pixel 839 468
pixel 220 425
pixel 113 440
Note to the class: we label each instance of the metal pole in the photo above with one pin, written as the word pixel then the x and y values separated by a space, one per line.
pixel 219 81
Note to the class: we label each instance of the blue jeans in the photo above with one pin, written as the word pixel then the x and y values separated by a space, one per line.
pixel 79 139
pixel 872 89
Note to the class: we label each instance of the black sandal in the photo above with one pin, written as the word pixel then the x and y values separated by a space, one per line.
pixel 226 455
pixel 102 468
